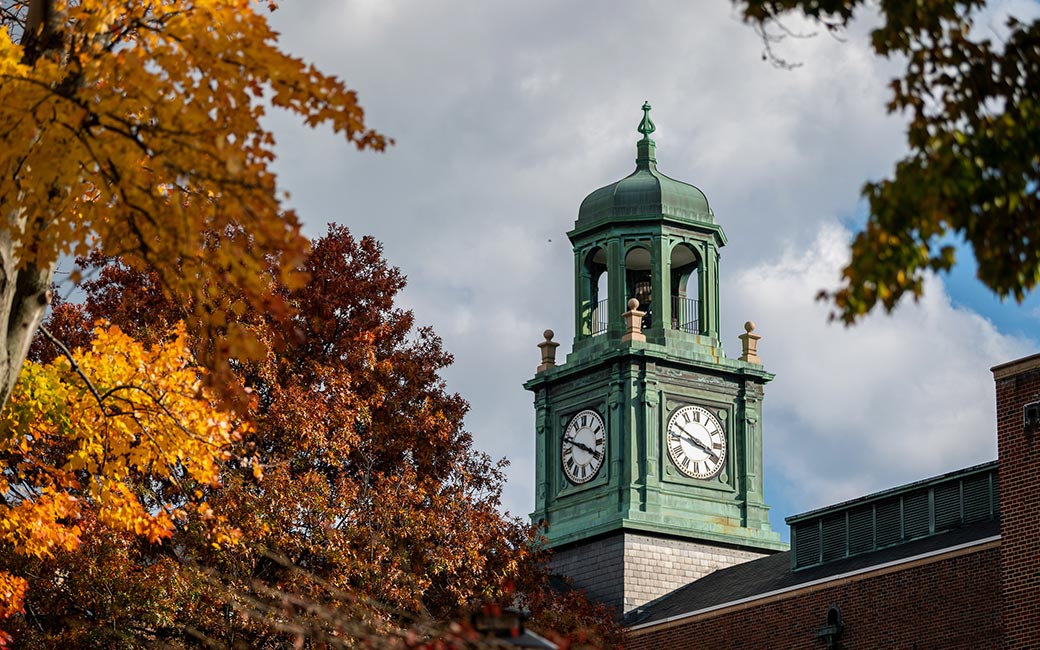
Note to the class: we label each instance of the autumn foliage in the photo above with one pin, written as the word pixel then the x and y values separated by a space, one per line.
pixel 236 440
pixel 134 128
pixel 87 432
pixel 360 502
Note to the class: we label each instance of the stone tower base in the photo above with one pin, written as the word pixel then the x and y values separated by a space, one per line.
pixel 627 570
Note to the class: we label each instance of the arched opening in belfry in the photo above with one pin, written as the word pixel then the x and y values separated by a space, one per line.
pixel 686 284
pixel 638 283
pixel 594 309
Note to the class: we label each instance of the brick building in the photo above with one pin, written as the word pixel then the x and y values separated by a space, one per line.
pixel 1018 427
pixel 949 562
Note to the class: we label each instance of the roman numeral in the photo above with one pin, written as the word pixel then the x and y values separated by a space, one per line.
pixel 597 430
pixel 686 416
pixel 583 471
pixel 716 445
pixel 685 464
pixel 567 451
pixel 676 449
pixel 696 416
pixel 673 436
pixel 584 420
pixel 570 464
pixel 696 467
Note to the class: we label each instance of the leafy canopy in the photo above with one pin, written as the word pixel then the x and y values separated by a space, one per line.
pixel 973 168
pixel 373 505
pixel 134 128
pixel 88 431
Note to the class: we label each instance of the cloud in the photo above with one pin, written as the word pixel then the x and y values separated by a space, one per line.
pixel 893 399
pixel 507 114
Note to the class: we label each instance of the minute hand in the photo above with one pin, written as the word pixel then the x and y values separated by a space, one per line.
pixel 581 446
pixel 698 443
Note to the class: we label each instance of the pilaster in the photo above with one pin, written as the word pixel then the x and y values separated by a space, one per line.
pixel 543 429
pixel 615 288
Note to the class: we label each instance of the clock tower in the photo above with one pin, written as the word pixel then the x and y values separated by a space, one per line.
pixel 648 438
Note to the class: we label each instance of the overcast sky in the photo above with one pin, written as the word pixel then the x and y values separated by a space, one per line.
pixel 507 114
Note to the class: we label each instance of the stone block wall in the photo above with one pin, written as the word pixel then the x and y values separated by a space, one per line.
pixel 627 570
pixel 597 566
pixel 656 566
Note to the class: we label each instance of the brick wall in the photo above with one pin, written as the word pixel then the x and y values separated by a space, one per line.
pixel 627 570
pixel 948 603
pixel 1018 384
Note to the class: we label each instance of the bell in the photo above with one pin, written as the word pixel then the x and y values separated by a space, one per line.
pixel 643 294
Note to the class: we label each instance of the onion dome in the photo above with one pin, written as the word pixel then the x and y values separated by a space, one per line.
pixel 646 192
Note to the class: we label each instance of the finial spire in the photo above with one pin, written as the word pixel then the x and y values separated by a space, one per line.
pixel 646 149
pixel 646 125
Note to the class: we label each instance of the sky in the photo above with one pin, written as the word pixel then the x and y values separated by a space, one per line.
pixel 506 115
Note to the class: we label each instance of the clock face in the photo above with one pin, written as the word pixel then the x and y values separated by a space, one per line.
pixel 584 446
pixel 696 442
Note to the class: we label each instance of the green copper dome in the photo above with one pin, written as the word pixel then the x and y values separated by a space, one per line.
pixel 646 192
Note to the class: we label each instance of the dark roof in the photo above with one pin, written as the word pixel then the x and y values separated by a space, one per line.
pixel 774 572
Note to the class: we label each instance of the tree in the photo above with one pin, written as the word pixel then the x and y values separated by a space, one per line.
pixel 133 128
pixel 973 171
pixel 372 499
pixel 118 434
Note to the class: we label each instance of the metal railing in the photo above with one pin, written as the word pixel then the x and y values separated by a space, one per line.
pixel 685 314
pixel 599 318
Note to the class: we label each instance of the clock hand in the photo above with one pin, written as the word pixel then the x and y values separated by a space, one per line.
pixel 580 445
pixel 697 443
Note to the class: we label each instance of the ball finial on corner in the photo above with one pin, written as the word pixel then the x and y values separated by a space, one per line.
pixel 633 304
pixel 548 334
pixel 749 327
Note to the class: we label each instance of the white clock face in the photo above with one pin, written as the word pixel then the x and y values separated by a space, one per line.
pixel 696 442
pixel 584 446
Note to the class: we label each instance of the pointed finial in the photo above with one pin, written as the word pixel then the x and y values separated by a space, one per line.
pixel 646 126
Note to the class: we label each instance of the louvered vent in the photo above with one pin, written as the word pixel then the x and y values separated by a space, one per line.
pixel 977 498
pixel 947 506
pixel 807 544
pixel 861 530
pixel 895 516
pixel 835 533
pixel 916 521
pixel 888 516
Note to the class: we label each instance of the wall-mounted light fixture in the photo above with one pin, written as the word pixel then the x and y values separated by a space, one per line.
pixel 831 632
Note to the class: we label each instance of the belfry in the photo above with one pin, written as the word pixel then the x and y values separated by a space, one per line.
pixel 648 438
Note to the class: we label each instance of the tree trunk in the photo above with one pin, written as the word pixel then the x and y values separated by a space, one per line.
pixel 24 288
pixel 24 296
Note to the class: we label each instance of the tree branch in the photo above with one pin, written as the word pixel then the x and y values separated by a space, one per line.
pixel 75 366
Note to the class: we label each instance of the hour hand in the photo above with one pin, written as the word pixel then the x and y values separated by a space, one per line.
pixel 581 445
pixel 697 443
